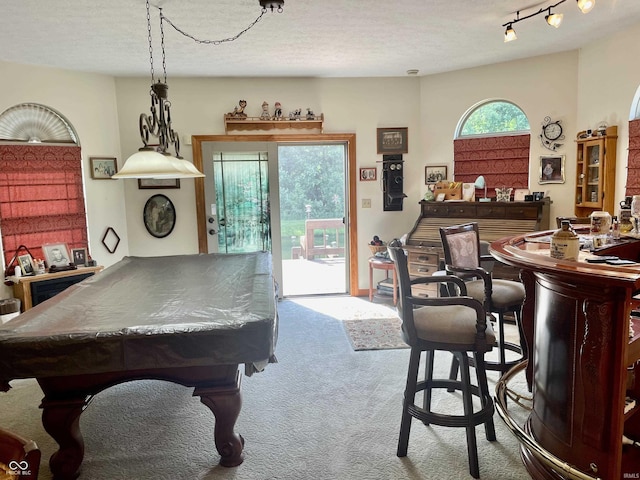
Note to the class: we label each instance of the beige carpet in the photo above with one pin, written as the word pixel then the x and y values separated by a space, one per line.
pixel 323 412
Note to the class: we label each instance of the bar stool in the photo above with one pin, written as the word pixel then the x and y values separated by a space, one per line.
pixel 456 324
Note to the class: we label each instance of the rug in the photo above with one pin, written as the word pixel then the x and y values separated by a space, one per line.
pixel 374 333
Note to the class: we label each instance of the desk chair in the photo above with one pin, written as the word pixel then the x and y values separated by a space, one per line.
pixel 462 255
pixel 16 451
pixel 453 324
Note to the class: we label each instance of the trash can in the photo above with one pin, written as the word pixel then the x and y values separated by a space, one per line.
pixel 9 308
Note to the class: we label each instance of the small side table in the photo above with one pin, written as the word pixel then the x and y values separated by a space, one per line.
pixel 386 265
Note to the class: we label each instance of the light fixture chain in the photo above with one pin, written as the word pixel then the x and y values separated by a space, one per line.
pixel 164 56
pixel 214 42
pixel 150 43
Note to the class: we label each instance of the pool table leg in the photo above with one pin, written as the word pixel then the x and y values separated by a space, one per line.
pixel 61 420
pixel 225 403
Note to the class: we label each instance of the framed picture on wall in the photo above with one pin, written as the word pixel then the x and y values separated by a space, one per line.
pixel 158 183
pixel 103 168
pixel 393 140
pixel 368 174
pixel 551 169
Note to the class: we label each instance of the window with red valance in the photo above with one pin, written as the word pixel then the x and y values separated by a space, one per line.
pixel 502 160
pixel 41 197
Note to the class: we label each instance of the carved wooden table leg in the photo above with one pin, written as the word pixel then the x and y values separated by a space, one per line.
pixel 225 402
pixel 61 420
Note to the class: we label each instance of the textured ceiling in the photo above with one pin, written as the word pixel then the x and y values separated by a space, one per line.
pixel 311 38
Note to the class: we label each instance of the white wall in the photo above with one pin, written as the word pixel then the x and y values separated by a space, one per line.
pixel 349 105
pixel 540 86
pixel 88 102
pixel 580 88
pixel 609 76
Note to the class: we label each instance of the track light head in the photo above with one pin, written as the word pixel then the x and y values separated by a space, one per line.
pixel 554 19
pixel 509 34
pixel 586 6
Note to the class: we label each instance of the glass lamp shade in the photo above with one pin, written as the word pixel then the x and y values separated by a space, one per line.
pixel 554 19
pixel 151 164
pixel 509 34
pixel 586 6
pixel 480 183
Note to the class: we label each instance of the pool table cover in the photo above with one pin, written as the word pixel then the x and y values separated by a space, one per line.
pixel 150 312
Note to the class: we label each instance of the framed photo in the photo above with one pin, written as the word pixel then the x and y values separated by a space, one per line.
pixel 158 183
pixel 435 174
pixel 79 256
pixel 368 174
pixel 551 169
pixel 56 254
pixel 440 197
pixel 159 216
pixel 26 264
pixel 393 140
pixel 103 168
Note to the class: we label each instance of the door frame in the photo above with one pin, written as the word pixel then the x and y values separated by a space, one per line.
pixel 348 138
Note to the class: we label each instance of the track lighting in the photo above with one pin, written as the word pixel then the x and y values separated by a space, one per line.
pixel 553 19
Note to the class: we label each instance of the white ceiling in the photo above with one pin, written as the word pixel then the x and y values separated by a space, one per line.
pixel 311 38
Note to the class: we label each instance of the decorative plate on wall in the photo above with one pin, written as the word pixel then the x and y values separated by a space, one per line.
pixel 159 216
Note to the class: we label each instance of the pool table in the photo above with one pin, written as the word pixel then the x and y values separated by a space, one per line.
pixel 188 319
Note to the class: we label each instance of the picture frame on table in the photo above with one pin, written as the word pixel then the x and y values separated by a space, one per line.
pixel 551 169
pixel 434 174
pixel 103 168
pixel 26 264
pixel 56 254
pixel 79 256
pixel 393 140
pixel 368 174
pixel 150 183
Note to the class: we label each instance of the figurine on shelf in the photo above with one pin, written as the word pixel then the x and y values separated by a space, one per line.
pixel 310 114
pixel 295 115
pixel 265 112
pixel 238 112
pixel 277 114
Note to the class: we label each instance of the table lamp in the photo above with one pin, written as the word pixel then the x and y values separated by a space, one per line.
pixel 480 183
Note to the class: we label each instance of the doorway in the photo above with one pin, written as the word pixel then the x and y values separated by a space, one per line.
pixel 345 237
pixel 312 212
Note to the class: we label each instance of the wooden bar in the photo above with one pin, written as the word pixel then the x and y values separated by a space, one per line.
pixel 582 358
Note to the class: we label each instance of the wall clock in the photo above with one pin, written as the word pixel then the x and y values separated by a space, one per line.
pixel 551 134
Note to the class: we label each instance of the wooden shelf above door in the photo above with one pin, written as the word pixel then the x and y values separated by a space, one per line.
pixel 236 124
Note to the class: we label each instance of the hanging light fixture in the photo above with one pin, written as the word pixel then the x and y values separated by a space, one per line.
pixel 153 159
pixel 553 19
pixel 585 6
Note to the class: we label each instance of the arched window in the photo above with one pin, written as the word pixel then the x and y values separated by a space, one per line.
pixel 492 140
pixel 41 181
pixel 491 118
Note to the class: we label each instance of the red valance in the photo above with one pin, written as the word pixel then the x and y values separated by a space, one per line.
pixel 503 161
pixel 41 197
pixel 633 162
